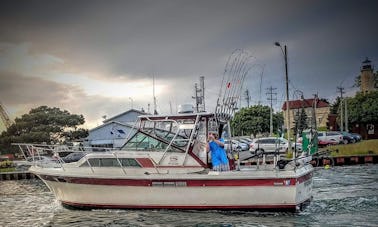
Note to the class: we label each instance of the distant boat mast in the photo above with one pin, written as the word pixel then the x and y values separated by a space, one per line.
pixel 153 91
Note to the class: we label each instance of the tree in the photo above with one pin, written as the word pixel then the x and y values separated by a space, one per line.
pixel 254 120
pixel 363 108
pixel 44 125
pixel 335 106
pixel 300 122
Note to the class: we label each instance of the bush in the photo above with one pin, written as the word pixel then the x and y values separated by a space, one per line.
pixel 6 164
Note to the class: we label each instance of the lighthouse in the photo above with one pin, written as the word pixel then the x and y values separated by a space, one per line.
pixel 367 77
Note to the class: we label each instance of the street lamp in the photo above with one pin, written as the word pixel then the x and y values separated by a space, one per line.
pixel 284 52
pixel 132 102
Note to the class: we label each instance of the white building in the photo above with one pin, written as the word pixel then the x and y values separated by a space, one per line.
pixel 115 130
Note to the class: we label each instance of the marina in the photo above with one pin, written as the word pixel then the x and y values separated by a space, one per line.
pixel 183 113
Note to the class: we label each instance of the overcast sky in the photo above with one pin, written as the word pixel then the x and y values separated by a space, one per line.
pixel 98 57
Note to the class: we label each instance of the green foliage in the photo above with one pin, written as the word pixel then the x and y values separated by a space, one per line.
pixel 324 128
pixel 6 164
pixel 254 120
pixel 335 106
pixel 44 124
pixel 363 108
pixel 300 122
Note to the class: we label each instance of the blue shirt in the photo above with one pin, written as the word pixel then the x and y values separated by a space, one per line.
pixel 218 154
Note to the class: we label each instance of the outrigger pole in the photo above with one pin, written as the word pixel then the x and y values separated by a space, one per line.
pixel 235 72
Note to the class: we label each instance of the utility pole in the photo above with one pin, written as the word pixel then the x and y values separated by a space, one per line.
pixel 341 90
pixel 196 91
pixel 153 91
pixel 202 87
pixel 200 95
pixel 316 98
pixel 270 98
pixel 346 115
pixel 247 97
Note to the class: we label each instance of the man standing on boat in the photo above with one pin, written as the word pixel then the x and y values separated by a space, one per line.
pixel 219 158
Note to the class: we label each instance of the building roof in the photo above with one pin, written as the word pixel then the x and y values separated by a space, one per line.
pixel 306 103
pixel 111 122
pixel 126 112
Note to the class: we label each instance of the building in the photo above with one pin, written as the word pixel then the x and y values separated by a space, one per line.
pixel 115 130
pixel 322 111
pixel 367 77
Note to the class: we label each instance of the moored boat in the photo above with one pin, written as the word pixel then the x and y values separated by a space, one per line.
pixel 164 164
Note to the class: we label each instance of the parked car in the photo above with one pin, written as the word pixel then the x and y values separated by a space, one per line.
pixel 271 145
pixel 348 138
pixel 243 146
pixel 356 136
pixel 245 140
pixel 235 145
pixel 329 138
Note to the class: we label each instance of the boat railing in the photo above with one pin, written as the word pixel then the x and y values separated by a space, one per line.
pixel 46 154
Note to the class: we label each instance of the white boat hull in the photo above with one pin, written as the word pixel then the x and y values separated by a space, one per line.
pixel 193 192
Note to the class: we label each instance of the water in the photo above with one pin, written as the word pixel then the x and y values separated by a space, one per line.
pixel 343 196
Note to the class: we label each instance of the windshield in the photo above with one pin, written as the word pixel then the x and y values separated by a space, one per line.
pixel 143 142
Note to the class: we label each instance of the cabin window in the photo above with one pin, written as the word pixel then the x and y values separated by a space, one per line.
pixel 126 162
pixel 111 162
pixel 101 162
pixel 143 142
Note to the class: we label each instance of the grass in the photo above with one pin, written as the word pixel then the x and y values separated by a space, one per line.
pixel 4 170
pixel 361 148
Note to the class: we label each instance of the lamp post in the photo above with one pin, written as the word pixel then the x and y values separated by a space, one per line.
pixel 284 52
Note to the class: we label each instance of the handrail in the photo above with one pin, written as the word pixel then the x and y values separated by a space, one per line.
pixel 190 139
pixel 89 164
pixel 170 143
pixel 119 162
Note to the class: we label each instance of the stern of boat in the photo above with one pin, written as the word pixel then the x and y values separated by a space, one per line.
pixel 304 185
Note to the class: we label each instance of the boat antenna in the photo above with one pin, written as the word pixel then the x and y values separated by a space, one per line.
pixel 153 91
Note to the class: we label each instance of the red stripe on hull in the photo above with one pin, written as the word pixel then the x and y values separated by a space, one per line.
pixel 181 182
pixel 183 207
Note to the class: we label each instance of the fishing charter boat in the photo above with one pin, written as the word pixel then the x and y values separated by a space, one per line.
pixel 164 164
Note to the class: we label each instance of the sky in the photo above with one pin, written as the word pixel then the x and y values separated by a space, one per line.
pixel 99 58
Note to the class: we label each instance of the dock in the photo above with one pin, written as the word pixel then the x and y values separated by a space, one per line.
pixel 19 175
pixel 326 160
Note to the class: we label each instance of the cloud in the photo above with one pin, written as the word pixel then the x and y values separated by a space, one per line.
pixel 92 56
pixel 22 93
